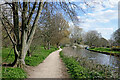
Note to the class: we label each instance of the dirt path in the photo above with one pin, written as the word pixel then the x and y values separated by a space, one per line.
pixel 52 67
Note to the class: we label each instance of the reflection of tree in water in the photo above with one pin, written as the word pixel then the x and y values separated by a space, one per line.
pixel 118 63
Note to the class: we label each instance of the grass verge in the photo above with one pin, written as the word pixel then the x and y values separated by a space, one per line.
pixel 38 55
pixel 101 49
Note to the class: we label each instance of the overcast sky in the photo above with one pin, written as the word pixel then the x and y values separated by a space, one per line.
pixel 103 18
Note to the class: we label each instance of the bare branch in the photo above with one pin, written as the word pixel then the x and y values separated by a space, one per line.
pixel 9 23
pixel 8 33
pixel 32 12
pixel 30 36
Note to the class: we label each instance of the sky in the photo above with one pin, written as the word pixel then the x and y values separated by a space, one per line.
pixel 102 16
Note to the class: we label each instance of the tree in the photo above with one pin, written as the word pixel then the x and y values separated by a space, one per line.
pixel 76 34
pixel 116 37
pixel 22 37
pixel 27 14
pixel 111 42
pixel 60 26
pixel 102 42
pixel 91 38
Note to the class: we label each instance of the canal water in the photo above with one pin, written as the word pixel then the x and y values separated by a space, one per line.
pixel 98 58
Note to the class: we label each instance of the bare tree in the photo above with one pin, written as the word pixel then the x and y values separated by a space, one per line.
pixel 91 38
pixel 102 42
pixel 22 37
pixel 24 19
pixel 116 37
pixel 76 34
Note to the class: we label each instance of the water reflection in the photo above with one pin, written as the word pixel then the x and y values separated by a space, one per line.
pixel 100 58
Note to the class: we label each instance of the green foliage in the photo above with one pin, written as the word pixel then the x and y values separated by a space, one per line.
pixel 77 71
pixel 101 49
pixel 11 72
pixel 38 56
pixel 5 58
pixel 61 47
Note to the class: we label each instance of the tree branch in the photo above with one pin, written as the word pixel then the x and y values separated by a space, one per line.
pixel 9 23
pixel 16 20
pixel 30 36
pixel 8 33
pixel 32 12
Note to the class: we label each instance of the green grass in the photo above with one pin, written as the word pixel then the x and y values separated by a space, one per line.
pixel 5 58
pixel 38 55
pixel 77 71
pixel 104 50
pixel 11 72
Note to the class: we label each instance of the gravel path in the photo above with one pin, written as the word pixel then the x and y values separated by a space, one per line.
pixel 52 67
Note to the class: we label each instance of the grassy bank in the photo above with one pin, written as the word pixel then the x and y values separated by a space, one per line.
pixel 38 55
pixel 76 70
pixel 105 50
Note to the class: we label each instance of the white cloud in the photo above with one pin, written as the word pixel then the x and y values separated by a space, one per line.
pixel 105 32
pixel 76 0
pixel 104 29
pixel 99 19
pixel 103 16
pixel 83 6
pixel 2 1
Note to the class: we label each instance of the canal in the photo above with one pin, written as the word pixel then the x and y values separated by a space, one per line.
pixel 98 58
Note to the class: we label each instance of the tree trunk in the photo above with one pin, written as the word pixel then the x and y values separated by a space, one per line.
pixel 45 47
pixel 29 53
pixel 19 57
pixel 48 45
pixel 57 45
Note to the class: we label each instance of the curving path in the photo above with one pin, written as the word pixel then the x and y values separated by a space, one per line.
pixel 51 67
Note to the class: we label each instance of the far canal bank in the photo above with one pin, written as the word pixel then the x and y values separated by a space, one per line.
pixel 106 51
